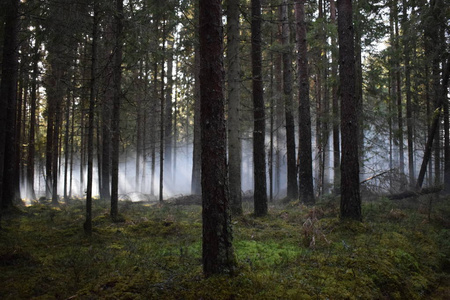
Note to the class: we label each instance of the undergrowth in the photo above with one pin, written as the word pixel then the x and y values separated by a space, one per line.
pixel 400 251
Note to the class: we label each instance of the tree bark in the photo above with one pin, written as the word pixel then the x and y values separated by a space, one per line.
pixel 115 125
pixel 259 130
pixel 234 82
pixel 32 131
pixel 292 186
pixel 92 92
pixel 168 130
pixel 8 103
pixel 306 189
pixel 350 207
pixel 218 257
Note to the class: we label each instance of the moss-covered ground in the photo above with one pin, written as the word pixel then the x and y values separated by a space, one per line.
pixel 400 251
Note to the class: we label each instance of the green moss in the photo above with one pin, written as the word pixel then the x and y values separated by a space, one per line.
pixel 156 254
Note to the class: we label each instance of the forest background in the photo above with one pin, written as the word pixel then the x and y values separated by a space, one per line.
pixel 106 101
pixel 401 55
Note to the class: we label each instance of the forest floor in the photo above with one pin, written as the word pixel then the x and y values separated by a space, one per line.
pixel 400 251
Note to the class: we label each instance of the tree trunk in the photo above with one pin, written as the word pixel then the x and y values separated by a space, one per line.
pixel 66 146
pixel 234 82
pixel 196 155
pixel 335 101
pixel 168 130
pixel 350 195
pixel 306 189
pixel 115 125
pixel 32 131
pixel 88 222
pixel 292 186
pixel 259 131
pixel 8 103
pixel 409 110
pixel 218 257
pixel 161 116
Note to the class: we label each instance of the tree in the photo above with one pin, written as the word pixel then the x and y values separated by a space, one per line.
pixel 350 207
pixel 292 186
pixel 259 120
pixel 335 101
pixel 218 257
pixel 115 124
pixel 234 82
pixel 93 86
pixel 196 155
pixel 306 189
pixel 8 103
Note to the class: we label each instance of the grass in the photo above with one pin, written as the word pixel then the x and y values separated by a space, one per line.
pixel 401 251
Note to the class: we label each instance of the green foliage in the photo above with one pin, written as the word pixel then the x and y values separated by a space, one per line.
pixel 295 252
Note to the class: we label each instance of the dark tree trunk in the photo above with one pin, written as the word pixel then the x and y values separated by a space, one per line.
pixel 66 146
pixel 306 189
pixel 259 130
pixel 88 222
pixel 234 82
pixel 444 93
pixel 8 103
pixel 292 186
pixel 32 131
pixel 106 115
pixel 218 257
pixel 428 147
pixel 350 195
pixel 115 125
pixel 55 144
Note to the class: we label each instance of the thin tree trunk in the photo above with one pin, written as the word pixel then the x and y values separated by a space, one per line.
pixel 168 119
pixel 409 110
pixel 32 131
pixel 66 146
pixel 428 147
pixel 335 101
pixel 196 155
pixel 161 117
